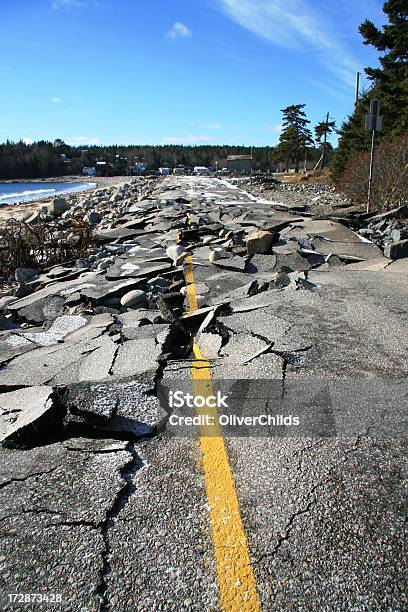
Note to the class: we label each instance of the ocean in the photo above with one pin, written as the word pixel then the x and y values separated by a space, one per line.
pixel 18 193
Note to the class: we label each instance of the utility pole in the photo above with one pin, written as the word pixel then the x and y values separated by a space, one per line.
pixel 357 88
pixel 373 124
pixel 326 129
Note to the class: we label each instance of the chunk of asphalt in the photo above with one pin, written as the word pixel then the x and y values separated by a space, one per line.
pixel 29 417
pixel 45 309
pixel 267 366
pixel 361 250
pixel 137 268
pixel 135 357
pixel 243 347
pixel 128 409
pixel 209 345
pixel 259 322
pixel 234 263
pixel 261 263
pixel 266 298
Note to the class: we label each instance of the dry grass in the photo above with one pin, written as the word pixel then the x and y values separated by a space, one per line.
pixel 314 177
pixel 40 245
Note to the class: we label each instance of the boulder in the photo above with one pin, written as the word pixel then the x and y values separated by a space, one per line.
pixel 34 218
pixel 93 217
pixel 25 275
pixel 58 206
pixel 5 301
pixel 259 242
pixel 134 298
pixel 105 263
pixel 217 254
pixel 177 253
pixel 397 250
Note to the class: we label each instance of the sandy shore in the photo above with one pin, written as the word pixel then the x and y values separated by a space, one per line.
pixel 16 211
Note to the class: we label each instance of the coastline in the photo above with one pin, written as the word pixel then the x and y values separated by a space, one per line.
pixel 17 211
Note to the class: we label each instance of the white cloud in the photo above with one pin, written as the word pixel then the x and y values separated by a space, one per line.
pixel 82 140
pixel 187 139
pixel 56 100
pixel 206 126
pixel 67 4
pixel 179 30
pixel 27 140
pixel 294 24
pixel 276 129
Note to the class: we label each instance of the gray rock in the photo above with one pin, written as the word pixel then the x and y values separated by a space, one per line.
pixel 4 301
pixel 133 298
pixel 34 218
pixel 260 242
pixel 25 275
pixel 105 263
pixel 217 254
pixel 82 263
pixel 397 250
pixel 158 283
pixel 58 206
pixel 176 253
pixel 93 217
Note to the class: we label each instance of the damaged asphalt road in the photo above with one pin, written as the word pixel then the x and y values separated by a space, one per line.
pixel 105 504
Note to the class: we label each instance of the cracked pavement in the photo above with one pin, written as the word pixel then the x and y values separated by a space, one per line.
pixel 105 502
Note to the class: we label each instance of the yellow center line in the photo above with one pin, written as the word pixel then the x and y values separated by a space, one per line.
pixel 236 580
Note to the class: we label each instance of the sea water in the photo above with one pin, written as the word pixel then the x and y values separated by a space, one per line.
pixel 18 193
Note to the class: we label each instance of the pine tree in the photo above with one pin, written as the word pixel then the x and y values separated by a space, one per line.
pixel 296 137
pixel 390 85
pixel 322 131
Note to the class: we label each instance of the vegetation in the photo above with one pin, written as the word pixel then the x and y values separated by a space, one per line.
pixel 296 141
pixel 390 185
pixel 389 86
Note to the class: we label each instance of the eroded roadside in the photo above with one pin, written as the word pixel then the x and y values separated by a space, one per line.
pixel 124 522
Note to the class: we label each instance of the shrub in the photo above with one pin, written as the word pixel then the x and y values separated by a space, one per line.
pixel 390 182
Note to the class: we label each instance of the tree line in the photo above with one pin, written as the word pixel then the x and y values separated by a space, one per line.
pixel 389 85
pixel 49 159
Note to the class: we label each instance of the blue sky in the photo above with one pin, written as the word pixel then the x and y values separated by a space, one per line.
pixel 176 71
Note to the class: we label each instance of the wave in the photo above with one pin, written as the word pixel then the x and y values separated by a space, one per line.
pixel 23 194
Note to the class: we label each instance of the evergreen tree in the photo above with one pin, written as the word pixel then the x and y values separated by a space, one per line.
pixel 296 137
pixel 390 85
pixel 322 131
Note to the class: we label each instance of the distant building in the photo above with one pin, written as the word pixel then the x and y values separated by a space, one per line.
pixel 164 171
pixel 239 163
pixel 179 170
pixel 89 171
pixel 291 169
pixel 201 170
pixel 103 168
pixel 138 168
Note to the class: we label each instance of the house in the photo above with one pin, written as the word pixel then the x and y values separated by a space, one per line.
pixel 239 163
pixel 104 168
pixel 89 171
pixel 164 171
